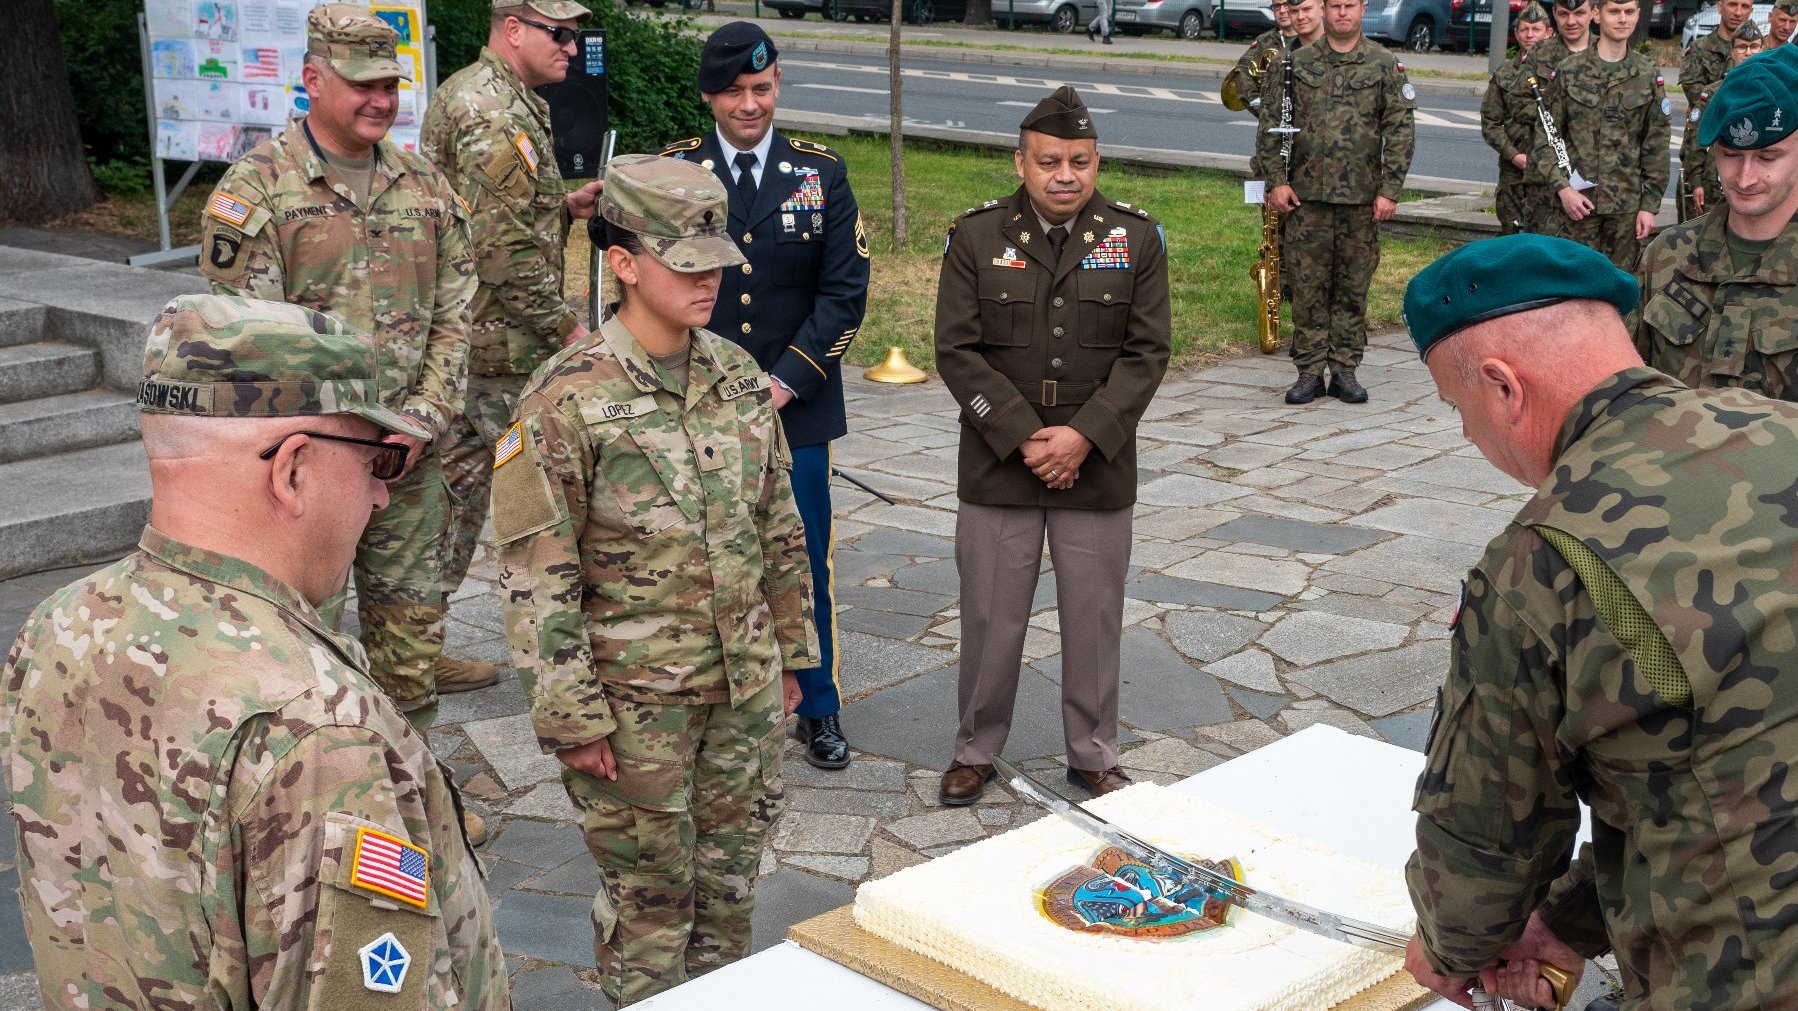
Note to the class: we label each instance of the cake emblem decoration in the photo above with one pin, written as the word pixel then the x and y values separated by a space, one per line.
pixel 1093 899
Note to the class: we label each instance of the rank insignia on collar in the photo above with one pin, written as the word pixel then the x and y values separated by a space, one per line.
pixel 1010 259
pixel 384 964
pixel 1024 237
pixel 1086 237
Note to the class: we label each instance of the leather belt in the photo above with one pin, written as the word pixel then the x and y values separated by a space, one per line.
pixel 1050 393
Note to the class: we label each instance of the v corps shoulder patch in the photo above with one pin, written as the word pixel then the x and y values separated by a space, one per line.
pixel 391 866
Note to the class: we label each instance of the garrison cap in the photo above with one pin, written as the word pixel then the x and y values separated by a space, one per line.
pixel 357 45
pixel 738 48
pixel 558 10
pixel 676 207
pixel 1532 14
pixel 1788 6
pixel 1571 5
pixel 1756 105
pixel 221 356
pixel 1514 273
pixel 1062 115
pixel 1749 32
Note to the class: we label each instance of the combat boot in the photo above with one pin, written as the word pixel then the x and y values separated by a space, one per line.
pixel 463 675
pixel 1307 389
pixel 1344 387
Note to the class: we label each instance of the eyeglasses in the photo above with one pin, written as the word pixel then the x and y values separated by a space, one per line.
pixel 388 463
pixel 563 36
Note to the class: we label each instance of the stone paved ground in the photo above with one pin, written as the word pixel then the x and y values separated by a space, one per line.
pixel 1293 565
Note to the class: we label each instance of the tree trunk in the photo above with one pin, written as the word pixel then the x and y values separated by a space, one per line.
pixel 896 130
pixel 43 168
pixel 980 12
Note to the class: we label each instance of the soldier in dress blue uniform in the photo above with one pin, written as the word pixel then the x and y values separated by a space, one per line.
pixel 795 305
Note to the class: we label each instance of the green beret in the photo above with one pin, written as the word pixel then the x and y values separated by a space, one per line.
pixel 1756 105
pixel 1496 277
pixel 1062 115
pixel 1532 14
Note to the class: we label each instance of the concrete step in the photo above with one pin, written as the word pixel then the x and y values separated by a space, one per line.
pixel 45 369
pixel 23 322
pixel 48 425
pixel 71 508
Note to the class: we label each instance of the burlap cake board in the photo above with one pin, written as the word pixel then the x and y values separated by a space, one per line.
pixel 836 936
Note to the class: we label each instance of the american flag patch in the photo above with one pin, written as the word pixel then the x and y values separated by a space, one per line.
pixel 508 447
pixel 391 866
pixel 527 151
pixel 1111 254
pixel 228 209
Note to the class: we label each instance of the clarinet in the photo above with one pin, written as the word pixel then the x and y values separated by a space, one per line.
pixel 1562 161
pixel 1286 130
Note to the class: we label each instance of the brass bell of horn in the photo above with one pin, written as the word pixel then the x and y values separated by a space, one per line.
pixel 895 369
pixel 1231 96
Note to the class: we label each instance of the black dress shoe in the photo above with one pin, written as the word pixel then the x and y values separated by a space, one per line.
pixel 1307 389
pixel 1108 40
pixel 825 746
pixel 1089 33
pixel 1344 387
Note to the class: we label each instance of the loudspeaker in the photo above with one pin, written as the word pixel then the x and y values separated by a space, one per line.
pixel 577 108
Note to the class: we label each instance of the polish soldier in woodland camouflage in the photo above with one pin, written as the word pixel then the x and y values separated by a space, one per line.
pixel 216 807
pixel 1264 52
pixel 332 216
pixel 488 131
pixel 1572 34
pixel 1701 190
pixel 1509 121
pixel 1701 69
pixel 1780 22
pixel 1610 108
pixel 1352 105
pixel 1719 293
pixel 657 588
pixel 1629 642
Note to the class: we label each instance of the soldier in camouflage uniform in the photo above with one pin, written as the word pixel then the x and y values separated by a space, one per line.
pixel 1701 69
pixel 331 216
pixel 1720 293
pixel 1627 642
pixel 1252 67
pixel 1611 109
pixel 488 131
pixel 1352 105
pixel 656 586
pixel 1509 120
pixel 1702 192
pixel 1573 34
pixel 203 775
pixel 1780 22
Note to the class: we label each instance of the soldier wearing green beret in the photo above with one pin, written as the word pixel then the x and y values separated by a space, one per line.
pixel 1572 34
pixel 1610 109
pixel 1780 21
pixel 216 806
pixel 489 132
pixel 656 585
pixel 332 216
pixel 1629 642
pixel 1719 292
pixel 1509 119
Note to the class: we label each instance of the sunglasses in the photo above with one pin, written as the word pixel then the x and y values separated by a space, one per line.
pixel 387 465
pixel 563 36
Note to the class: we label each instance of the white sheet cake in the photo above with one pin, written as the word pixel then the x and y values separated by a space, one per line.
pixel 976 911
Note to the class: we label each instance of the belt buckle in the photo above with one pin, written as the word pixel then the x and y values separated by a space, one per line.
pixel 1048 393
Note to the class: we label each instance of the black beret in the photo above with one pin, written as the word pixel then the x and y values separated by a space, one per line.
pixel 740 47
pixel 1062 115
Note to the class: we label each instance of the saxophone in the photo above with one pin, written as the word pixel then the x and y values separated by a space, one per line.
pixel 1266 270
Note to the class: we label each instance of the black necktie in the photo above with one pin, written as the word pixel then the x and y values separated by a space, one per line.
pixel 745 162
pixel 1058 237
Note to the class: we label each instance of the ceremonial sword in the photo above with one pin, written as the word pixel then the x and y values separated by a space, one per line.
pixel 1227 889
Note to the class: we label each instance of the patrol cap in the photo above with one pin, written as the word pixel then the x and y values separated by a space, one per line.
pixel 1496 277
pixel 221 356
pixel 1749 32
pixel 357 45
pixel 1756 104
pixel 1062 115
pixel 677 208
pixel 738 48
pixel 1533 14
pixel 559 10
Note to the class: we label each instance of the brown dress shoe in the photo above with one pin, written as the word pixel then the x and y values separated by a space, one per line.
pixel 463 675
pixel 963 784
pixel 1098 783
pixel 475 827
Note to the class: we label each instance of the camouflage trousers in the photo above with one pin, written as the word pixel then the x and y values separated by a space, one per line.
pixel 679 837
pixel 467 452
pixel 1614 235
pixel 1330 252
pixel 1520 206
pixel 399 590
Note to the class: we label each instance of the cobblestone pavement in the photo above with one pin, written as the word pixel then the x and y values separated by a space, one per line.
pixel 1293 565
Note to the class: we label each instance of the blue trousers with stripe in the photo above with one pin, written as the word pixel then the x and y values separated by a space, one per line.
pixel 811 492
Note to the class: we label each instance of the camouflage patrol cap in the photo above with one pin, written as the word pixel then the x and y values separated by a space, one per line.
pixel 1491 278
pixel 560 10
pixel 1532 14
pixel 357 45
pixel 1062 115
pixel 676 207
pixel 222 356
pixel 1756 105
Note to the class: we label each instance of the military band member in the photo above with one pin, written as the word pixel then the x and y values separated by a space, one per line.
pixel 1573 34
pixel 1509 121
pixel 1611 109
pixel 332 216
pixel 1352 106
pixel 1262 57
pixel 796 303
pixel 1780 21
pixel 1701 69
pixel 488 130
pixel 216 807
pixel 1052 332
pixel 1624 644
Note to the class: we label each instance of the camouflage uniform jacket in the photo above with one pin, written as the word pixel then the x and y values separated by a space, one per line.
pixel 1263 58
pixel 399 269
pixel 1613 119
pixel 1684 496
pixel 490 135
pixel 193 757
pixel 1711 325
pixel 1354 114
pixel 649 546
pixel 1509 121
pixel 1703 66
pixel 1549 53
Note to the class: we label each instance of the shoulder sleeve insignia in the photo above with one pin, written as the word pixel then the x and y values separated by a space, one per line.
pixel 391 866
pixel 527 152
pixel 229 209
pixel 384 962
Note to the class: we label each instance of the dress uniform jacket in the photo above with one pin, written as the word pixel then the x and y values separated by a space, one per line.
pixel 1023 343
pixel 798 302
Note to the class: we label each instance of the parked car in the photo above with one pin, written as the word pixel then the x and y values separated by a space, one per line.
pixel 1418 25
pixel 794 8
pixel 1470 23
pixel 1062 16
pixel 1242 18
pixel 1186 19
pixel 1705 22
